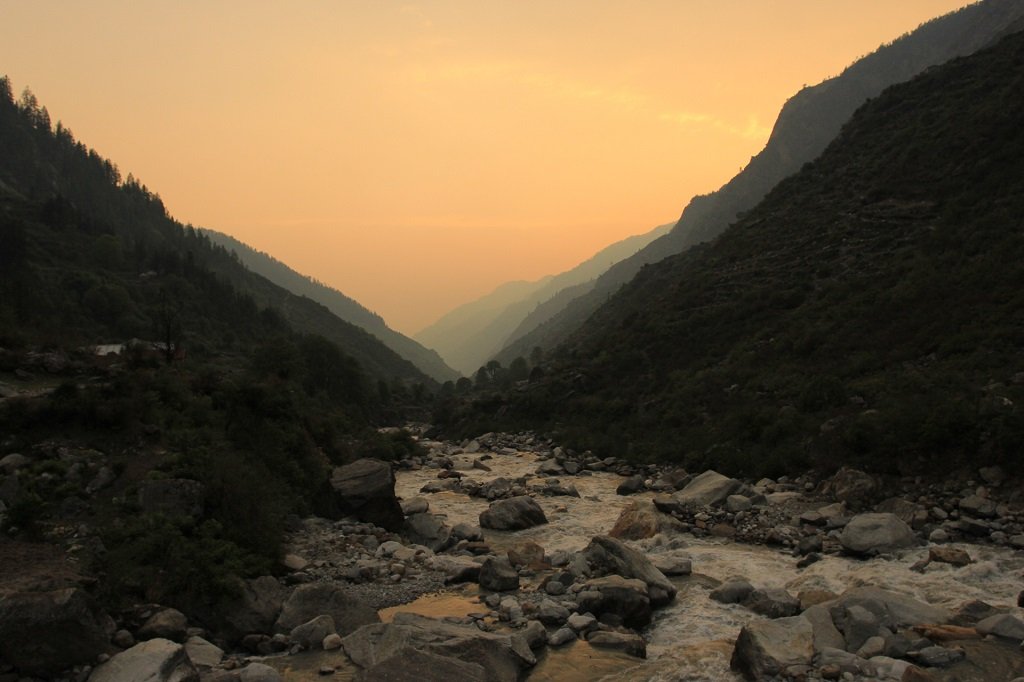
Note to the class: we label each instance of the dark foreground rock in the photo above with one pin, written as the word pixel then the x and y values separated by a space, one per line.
pixel 324 599
pixel 158 660
pixel 608 556
pixel 515 513
pixel 366 489
pixel 767 648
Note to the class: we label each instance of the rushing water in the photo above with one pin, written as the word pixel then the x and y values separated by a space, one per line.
pixel 691 639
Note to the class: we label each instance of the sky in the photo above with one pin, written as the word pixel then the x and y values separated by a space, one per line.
pixel 415 155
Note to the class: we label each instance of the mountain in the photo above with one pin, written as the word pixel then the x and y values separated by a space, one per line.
pixel 806 124
pixel 472 334
pixel 111 247
pixel 867 312
pixel 349 310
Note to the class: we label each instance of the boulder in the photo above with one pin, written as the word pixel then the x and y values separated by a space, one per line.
pixel 416 505
pixel 709 489
pixel 978 507
pixel 606 556
pixel 766 648
pixel 732 592
pixel 852 487
pixel 255 610
pixel 625 598
pixel 876 533
pixel 673 565
pixel 42 633
pixel 202 653
pixel 164 624
pixel 324 599
pixel 428 530
pixel 366 489
pixel 1002 625
pixel 414 665
pixel 311 634
pixel 772 603
pixel 158 660
pixel 504 657
pixel 628 643
pixel 633 484
pixel 259 672
pixel 892 609
pixel 172 497
pixel 640 519
pixel 526 554
pixel 515 513
pixel 498 575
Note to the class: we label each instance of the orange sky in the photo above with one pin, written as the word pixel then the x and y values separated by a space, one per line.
pixel 416 155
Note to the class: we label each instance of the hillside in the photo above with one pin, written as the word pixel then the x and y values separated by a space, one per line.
pixel 128 233
pixel 806 124
pixel 472 334
pixel 867 312
pixel 349 310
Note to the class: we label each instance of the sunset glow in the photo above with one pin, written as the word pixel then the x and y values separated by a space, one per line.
pixel 416 155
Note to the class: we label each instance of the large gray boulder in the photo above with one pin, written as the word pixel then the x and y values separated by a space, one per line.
pixel 255 610
pixel 608 556
pixel 158 660
pixel 428 530
pixel 892 609
pixel 877 533
pixel 503 657
pixel 709 489
pixel 628 599
pixel 515 513
pixel 366 489
pixel 42 633
pixel 325 599
pixel 766 648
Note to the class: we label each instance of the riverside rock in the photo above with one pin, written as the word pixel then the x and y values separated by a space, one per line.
pixel 876 533
pixel 607 556
pixel 766 648
pixel 515 513
pixel 414 665
pixel 255 610
pixel 366 489
pixel 158 660
pixel 309 601
pixel 428 530
pixel 709 489
pixel 640 519
pixel 498 575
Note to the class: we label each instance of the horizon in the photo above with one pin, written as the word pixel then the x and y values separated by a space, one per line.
pixel 451 147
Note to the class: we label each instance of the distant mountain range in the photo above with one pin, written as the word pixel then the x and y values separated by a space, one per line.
pixel 472 334
pixel 807 123
pixel 349 310
pixel 867 312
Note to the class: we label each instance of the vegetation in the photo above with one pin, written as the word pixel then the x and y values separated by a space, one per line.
pixel 867 312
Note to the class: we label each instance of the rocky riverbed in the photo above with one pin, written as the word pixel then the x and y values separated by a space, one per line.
pixel 508 558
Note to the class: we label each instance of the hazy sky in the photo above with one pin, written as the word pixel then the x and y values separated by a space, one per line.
pixel 416 155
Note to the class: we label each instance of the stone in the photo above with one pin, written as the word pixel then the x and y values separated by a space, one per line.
pixel 581 622
pixel 550 467
pixel 43 633
pixel 903 509
pixel 123 639
pixel 628 643
pixel 949 555
pixel 171 497
pixel 641 519
pixel 857 624
pixel 772 603
pixel 255 610
pixel 766 648
pixel 978 507
pixel 165 624
pixel 311 634
pixel 467 531
pixel 561 636
pixel 294 563
pixel 503 656
pixel 259 672
pixel 737 503
pixel 526 554
pixel 515 513
pixel 939 657
pixel 673 565
pixel 852 487
pixel 157 660
pixel 498 575
pixel 826 635
pixel 13 462
pixel 732 592
pixel 428 530
pixel 993 476
pixel 536 634
pixel 317 599
pixel 203 653
pixel 607 556
pixel 625 598
pixel 416 505
pixel 1002 625
pixel 893 610
pixel 844 662
pixel 631 485
pixel 552 613
pixel 331 642
pixel 709 489
pixel 876 533
pixel 414 665
pixel 366 489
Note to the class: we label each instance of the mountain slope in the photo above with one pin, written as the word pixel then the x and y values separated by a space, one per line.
pixel 806 124
pixel 349 310
pixel 867 312
pixel 473 333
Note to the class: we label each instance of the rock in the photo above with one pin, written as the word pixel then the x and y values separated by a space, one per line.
pixel 366 489
pixel 732 592
pixel 1002 625
pixel 414 665
pixel 949 555
pixel 607 556
pixel 331 642
pixel 535 634
pixel 103 478
pixel 293 562
pixel 978 507
pixel 737 503
pixel 43 633
pixel 876 533
pixel 939 657
pixel 633 484
pixel 551 613
pixel 158 660
pixel 939 535
pixel 467 531
pixel 550 467
pixel 852 487
pixel 259 672
pixel 311 634
pixel 826 635
pixel 526 554
pixel 857 624
pixel 457 569
pixel 13 462
pixel 503 657
pixel 892 609
pixel 416 505
pixel 498 575
pixel 709 489
pixel 673 565
pixel 901 508
pixel 202 653
pixel 631 643
pixel 625 598
pixel 993 476
pixel 581 622
pixel 428 530
pixel 766 648
pixel 845 662
pixel 312 600
pixel 640 519
pixel 172 497
pixel 972 612
pixel 164 624
pixel 772 603
pixel 123 639
pixel 515 513
pixel 561 636
pixel 255 610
